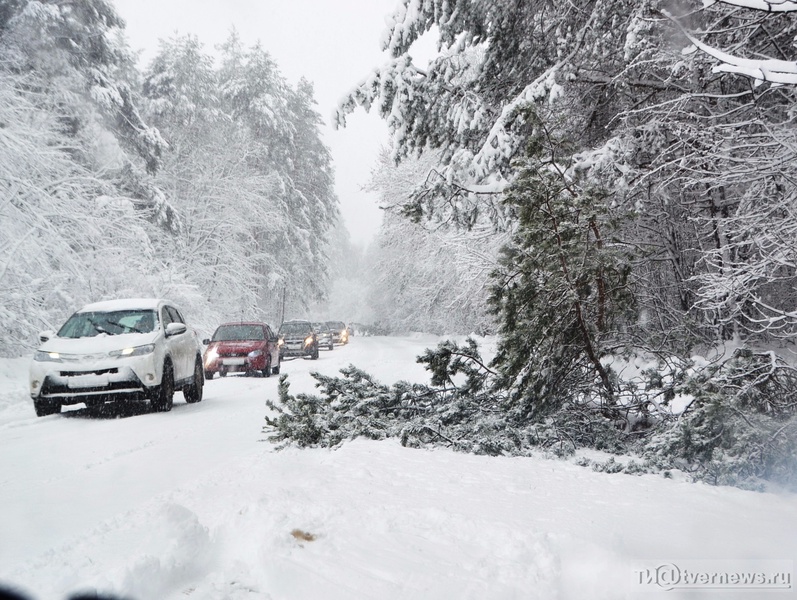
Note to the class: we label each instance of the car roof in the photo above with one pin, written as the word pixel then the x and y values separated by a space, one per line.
pixel 261 323
pixel 125 304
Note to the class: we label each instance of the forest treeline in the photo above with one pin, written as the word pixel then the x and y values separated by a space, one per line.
pixel 199 178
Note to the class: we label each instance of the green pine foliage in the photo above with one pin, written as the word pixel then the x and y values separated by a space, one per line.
pixel 461 409
pixel 562 288
pixel 466 416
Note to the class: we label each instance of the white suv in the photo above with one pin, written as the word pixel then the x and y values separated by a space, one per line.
pixel 137 349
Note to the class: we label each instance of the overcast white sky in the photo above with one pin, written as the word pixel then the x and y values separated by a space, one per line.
pixel 333 43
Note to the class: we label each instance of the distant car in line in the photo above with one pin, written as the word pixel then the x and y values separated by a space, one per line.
pixel 298 338
pixel 340 333
pixel 134 349
pixel 324 335
pixel 246 347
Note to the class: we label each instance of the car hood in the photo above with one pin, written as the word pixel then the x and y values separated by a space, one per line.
pixel 99 344
pixel 237 345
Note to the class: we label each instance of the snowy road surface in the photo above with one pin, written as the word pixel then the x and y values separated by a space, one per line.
pixel 194 504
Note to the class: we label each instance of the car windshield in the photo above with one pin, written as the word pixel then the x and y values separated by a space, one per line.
pixel 320 327
pixel 227 333
pixel 89 324
pixel 338 325
pixel 295 328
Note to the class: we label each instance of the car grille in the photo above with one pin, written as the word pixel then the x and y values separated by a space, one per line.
pixel 97 372
pixel 52 388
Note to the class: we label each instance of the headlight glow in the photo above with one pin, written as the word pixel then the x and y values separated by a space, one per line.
pixel 255 353
pixel 133 351
pixel 280 342
pixel 42 356
pixel 308 340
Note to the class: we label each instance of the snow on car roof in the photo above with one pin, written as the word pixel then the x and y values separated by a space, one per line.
pixel 123 304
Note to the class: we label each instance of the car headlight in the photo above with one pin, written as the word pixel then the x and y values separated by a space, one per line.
pixel 280 342
pixel 133 351
pixel 210 356
pixel 42 356
pixel 255 353
pixel 308 341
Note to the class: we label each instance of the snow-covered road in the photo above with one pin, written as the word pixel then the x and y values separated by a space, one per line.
pixel 193 503
pixel 61 475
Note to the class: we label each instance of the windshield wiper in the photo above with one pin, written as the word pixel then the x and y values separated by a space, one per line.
pixel 99 328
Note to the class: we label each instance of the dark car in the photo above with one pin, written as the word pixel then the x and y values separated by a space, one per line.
pixel 340 333
pixel 298 338
pixel 324 335
pixel 242 348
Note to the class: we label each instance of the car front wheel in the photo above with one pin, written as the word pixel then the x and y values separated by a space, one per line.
pixel 267 371
pixel 163 399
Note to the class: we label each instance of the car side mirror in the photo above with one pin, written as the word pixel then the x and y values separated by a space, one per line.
pixel 206 341
pixel 46 335
pixel 175 329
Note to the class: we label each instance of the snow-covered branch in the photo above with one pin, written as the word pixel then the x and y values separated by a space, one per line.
pixel 779 72
pixel 765 5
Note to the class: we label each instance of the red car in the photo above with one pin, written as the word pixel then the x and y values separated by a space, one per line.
pixel 242 348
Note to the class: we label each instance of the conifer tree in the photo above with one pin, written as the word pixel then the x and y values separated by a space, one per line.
pixel 562 289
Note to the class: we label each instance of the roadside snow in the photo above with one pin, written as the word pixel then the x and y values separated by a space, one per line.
pixel 193 504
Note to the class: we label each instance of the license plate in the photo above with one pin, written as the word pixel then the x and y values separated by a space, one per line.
pixel 232 362
pixel 87 381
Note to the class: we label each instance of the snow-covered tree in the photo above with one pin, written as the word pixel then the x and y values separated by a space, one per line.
pixel 72 48
pixel 562 289
pixel 247 171
pixel 427 277
pixel 95 204
pixel 71 233
pixel 749 273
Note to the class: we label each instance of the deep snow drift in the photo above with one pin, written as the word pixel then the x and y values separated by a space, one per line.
pixel 194 504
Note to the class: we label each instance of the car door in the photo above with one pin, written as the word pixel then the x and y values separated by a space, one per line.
pixel 187 343
pixel 177 344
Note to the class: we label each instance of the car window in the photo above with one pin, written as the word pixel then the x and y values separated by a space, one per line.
pixel 175 315
pixel 89 324
pixel 165 317
pixel 238 332
pixel 297 327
